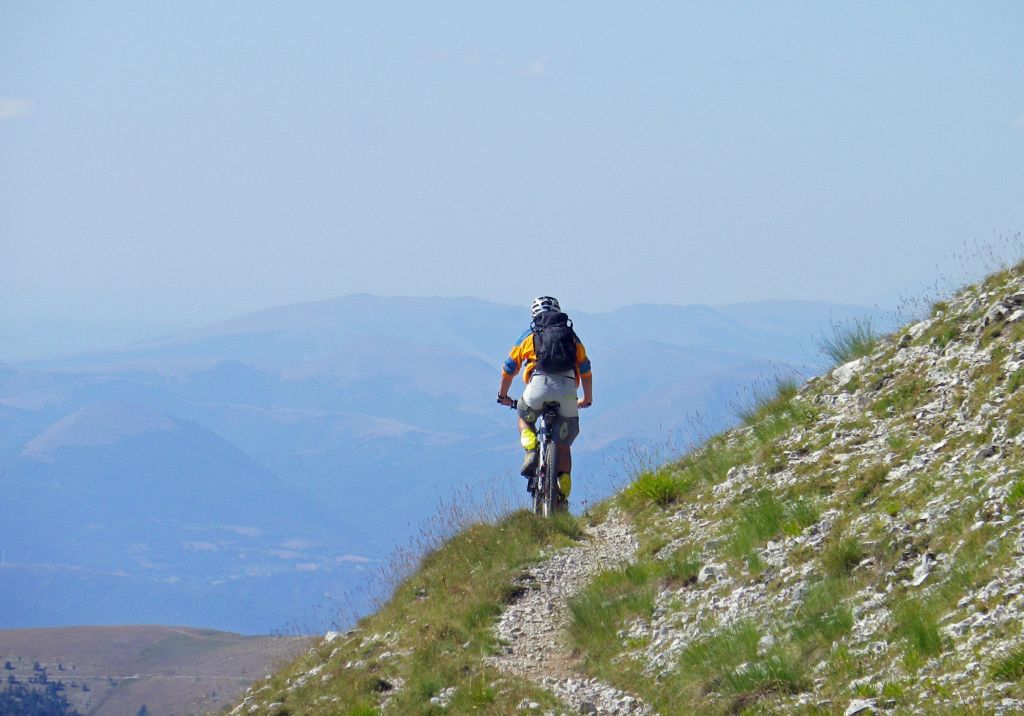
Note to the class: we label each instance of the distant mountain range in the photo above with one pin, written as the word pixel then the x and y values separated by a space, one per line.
pixel 244 475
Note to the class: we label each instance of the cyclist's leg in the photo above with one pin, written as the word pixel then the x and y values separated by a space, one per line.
pixel 564 457
pixel 566 428
pixel 525 426
pixel 530 405
pixel 529 411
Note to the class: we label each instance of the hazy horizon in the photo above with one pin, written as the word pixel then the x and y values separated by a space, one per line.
pixel 170 166
pixel 56 337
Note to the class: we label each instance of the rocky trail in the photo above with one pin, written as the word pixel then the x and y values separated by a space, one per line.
pixel 533 627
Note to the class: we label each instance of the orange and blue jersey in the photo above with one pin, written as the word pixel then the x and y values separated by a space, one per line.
pixel 523 355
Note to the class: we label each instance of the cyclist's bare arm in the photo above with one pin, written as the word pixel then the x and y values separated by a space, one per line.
pixel 587 400
pixel 506 383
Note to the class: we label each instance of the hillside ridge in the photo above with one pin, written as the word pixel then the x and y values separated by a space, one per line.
pixel 855 546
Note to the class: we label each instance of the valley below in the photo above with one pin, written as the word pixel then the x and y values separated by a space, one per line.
pixel 127 670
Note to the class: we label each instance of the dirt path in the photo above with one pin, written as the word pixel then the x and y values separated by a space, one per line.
pixel 533 627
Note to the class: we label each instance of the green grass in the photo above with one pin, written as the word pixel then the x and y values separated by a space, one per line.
pixel 710 464
pixel 669 484
pixel 1015 414
pixel 728 664
pixel 758 520
pixel 763 517
pixel 986 378
pixel 893 690
pixel 897 442
pixel 916 623
pixel 944 334
pixel 476 696
pixel 800 514
pixel 680 568
pixel 849 341
pixel 1009 667
pixel 363 710
pixel 1016 495
pixel 972 565
pixel 1015 380
pixel 773 408
pixel 615 596
pixel 822 617
pixel 600 609
pixel 662 487
pixel 765 399
pixel 1005 333
pixel 868 480
pixel 840 556
pixel 907 392
pixel 841 667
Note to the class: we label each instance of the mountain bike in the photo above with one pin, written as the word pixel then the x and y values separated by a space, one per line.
pixel 547 498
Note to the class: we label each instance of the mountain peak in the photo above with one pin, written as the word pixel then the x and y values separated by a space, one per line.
pixel 102 423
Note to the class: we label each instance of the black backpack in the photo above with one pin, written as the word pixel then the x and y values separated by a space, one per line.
pixel 554 342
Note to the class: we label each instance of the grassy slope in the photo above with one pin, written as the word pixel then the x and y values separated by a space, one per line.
pixel 432 635
pixel 809 521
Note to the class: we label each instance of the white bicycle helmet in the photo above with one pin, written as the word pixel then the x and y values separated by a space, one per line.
pixel 543 304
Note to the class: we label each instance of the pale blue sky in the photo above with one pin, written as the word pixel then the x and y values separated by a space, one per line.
pixel 168 165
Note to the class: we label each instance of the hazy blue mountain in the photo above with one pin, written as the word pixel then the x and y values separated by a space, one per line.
pixel 257 456
pixel 666 387
pixel 131 498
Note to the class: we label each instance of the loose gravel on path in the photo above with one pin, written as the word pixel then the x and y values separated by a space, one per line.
pixel 533 628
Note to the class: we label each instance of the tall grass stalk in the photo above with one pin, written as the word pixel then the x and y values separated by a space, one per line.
pixel 849 341
pixel 1009 667
pixel 767 397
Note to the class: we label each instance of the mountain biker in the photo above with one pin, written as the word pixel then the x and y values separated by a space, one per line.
pixel 547 387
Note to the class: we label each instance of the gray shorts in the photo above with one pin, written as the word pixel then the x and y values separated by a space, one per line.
pixel 559 389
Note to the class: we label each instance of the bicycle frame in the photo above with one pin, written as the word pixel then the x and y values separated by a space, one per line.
pixel 546 497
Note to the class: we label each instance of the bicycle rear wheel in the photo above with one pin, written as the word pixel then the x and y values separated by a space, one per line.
pixel 549 488
pixel 538 493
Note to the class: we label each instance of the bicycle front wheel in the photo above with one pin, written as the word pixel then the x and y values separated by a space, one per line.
pixel 538 494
